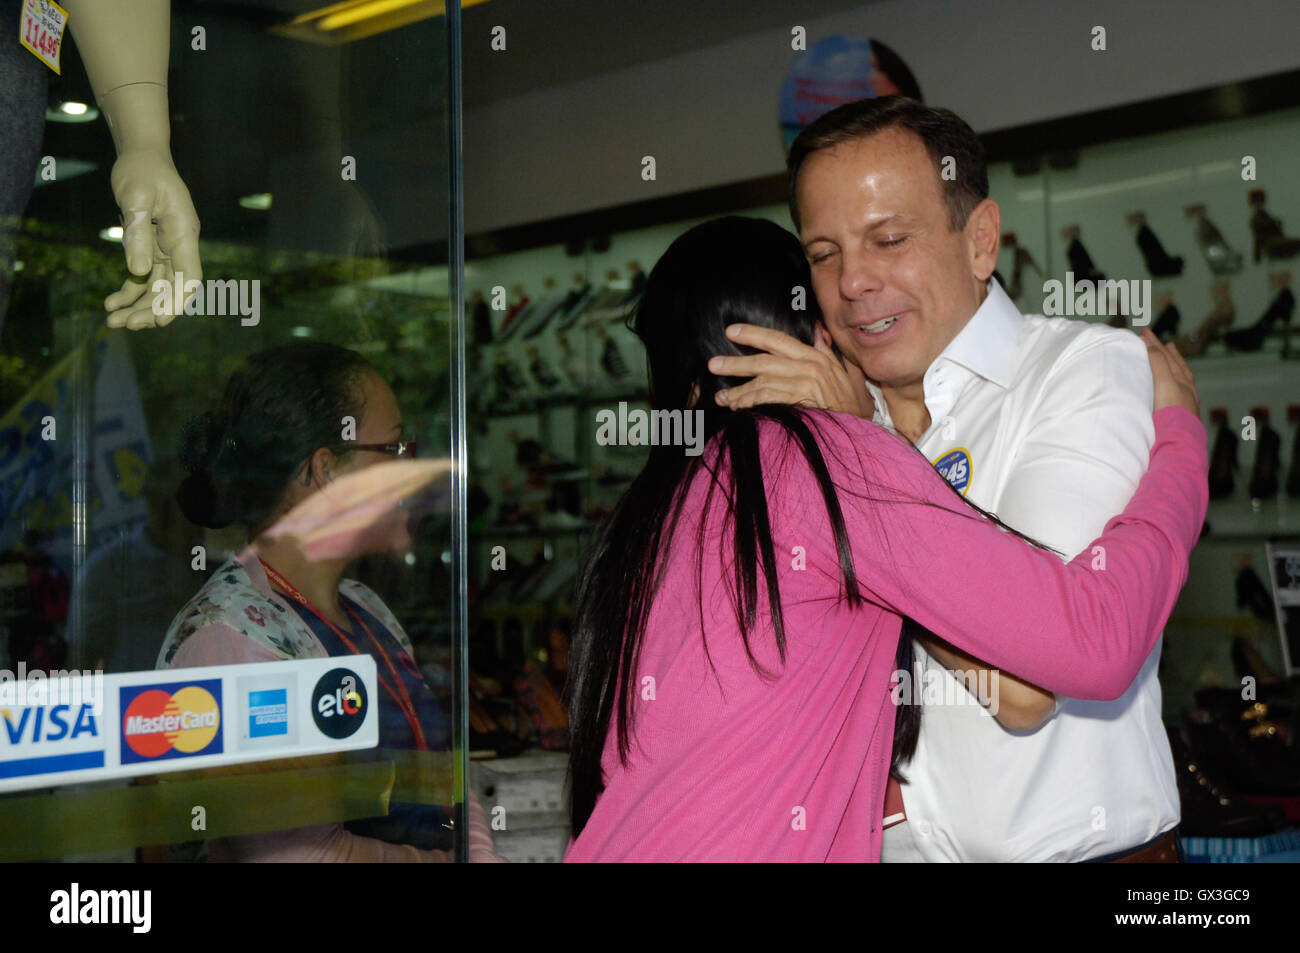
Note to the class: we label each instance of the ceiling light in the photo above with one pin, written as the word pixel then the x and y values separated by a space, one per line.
pixel 111 234
pixel 369 10
pixel 72 112
pixel 353 20
pixel 258 202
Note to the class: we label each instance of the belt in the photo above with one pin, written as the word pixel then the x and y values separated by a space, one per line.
pixel 1162 850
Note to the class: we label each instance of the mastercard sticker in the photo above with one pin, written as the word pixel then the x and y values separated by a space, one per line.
pixel 174 720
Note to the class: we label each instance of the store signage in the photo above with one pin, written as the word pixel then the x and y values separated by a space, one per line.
pixel 837 70
pixel 79 728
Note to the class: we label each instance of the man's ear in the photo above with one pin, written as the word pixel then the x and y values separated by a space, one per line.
pixel 820 334
pixel 984 232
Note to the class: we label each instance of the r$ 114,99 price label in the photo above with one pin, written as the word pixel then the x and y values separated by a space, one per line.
pixel 41 30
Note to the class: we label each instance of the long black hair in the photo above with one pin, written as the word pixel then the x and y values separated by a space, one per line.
pixel 724 271
pixel 286 403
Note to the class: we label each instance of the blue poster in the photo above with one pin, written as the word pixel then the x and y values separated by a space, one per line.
pixel 837 70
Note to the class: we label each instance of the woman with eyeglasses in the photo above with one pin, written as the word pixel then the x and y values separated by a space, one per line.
pixel 297 418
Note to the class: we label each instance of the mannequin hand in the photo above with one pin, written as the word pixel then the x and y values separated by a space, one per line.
pixel 160 237
pixel 791 373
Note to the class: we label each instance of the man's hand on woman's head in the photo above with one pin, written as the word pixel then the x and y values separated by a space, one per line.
pixel 790 372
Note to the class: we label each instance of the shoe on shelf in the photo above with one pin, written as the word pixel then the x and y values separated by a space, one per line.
pixel 1270 241
pixel 1219 319
pixel 1253 594
pixel 1222 259
pixel 1252 338
pixel 611 359
pixel 1159 262
pixel 1166 323
pixel 1268 460
pixel 1223 458
pixel 1020 260
pixel 1080 261
pixel 1293 476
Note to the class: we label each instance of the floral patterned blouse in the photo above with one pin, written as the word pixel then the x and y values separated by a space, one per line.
pixel 240 597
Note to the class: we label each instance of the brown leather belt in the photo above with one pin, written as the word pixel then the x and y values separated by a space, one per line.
pixel 1163 851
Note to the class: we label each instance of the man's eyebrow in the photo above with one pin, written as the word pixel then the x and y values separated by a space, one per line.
pixel 890 219
pixel 894 218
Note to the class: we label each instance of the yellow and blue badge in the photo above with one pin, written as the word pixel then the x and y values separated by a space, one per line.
pixel 955 467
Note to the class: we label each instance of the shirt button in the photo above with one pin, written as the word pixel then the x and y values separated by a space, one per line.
pixel 924 828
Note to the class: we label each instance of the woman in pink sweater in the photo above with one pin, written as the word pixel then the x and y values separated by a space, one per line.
pixel 739 617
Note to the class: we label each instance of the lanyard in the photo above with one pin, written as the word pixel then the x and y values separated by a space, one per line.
pixel 397 691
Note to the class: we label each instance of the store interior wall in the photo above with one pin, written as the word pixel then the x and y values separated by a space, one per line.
pixel 997 64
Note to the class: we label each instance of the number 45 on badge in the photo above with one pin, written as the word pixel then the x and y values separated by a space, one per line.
pixel 40 29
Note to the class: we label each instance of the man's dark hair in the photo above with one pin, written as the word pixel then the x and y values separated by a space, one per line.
pixel 942 130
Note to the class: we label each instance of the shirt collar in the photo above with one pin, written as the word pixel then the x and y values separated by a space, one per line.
pixel 987 344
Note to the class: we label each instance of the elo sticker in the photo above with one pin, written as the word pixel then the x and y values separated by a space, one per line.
pixel 40 29
pixel 955 467
pixel 339 703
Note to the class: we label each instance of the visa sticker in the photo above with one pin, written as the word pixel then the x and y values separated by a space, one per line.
pixel 40 29
pixel 955 467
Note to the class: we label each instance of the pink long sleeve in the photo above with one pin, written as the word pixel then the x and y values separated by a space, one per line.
pixel 731 765
pixel 1072 628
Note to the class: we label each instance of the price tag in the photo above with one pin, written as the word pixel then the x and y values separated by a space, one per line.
pixel 40 29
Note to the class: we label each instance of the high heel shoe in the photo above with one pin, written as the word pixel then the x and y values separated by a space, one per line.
pixel 1253 594
pixel 1252 338
pixel 1080 261
pixel 1166 323
pixel 1293 477
pixel 1267 230
pixel 1223 458
pixel 1222 259
pixel 611 359
pixel 1159 262
pixel 1020 260
pixel 1263 476
pixel 1219 319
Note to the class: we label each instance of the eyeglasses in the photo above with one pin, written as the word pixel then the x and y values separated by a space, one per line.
pixel 403 448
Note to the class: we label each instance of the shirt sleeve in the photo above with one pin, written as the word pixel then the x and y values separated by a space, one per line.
pixel 1087 445
pixel 1086 448
pixel 1082 629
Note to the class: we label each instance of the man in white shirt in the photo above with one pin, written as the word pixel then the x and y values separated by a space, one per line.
pixel 1044 421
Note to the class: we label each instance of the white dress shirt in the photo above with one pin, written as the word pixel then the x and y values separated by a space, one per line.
pixel 1047 423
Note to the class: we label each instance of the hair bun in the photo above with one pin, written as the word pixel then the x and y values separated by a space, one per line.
pixel 199 500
